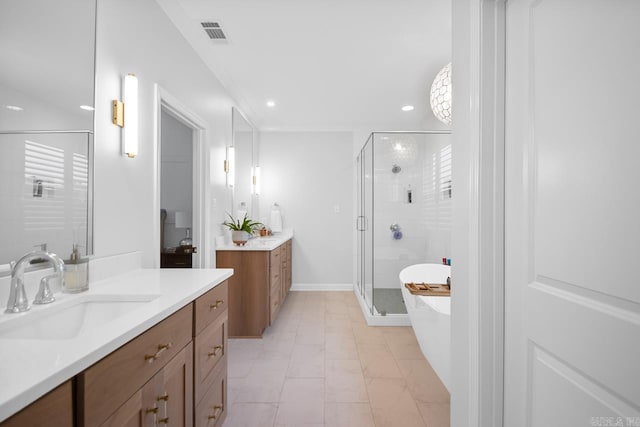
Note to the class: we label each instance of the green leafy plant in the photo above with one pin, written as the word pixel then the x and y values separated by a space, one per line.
pixel 245 225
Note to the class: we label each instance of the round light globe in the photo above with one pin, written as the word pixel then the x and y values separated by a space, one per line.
pixel 441 95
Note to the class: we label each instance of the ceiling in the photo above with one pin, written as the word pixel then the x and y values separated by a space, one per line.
pixel 327 64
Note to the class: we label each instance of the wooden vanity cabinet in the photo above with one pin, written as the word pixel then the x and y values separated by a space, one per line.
pixel 257 288
pixel 210 335
pixel 54 409
pixel 108 384
pixel 276 282
pixel 288 265
pixel 166 399
pixel 173 374
pixel 248 291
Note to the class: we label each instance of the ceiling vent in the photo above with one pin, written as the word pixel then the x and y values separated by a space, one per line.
pixel 213 30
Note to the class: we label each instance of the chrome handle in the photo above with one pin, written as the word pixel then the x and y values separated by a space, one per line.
pixel 45 295
pixel 216 305
pixel 215 351
pixel 161 348
pixel 217 410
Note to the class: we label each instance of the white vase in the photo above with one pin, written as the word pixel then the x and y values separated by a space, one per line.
pixel 239 237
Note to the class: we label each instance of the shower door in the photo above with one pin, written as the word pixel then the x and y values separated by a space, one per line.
pixel 364 220
pixel 404 212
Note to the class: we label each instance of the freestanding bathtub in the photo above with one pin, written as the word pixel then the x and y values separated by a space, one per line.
pixel 430 316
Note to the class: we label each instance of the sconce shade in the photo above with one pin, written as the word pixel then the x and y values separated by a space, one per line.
pixel 130 129
pixel 183 219
pixel 441 95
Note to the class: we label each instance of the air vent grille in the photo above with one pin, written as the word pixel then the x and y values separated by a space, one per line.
pixel 213 30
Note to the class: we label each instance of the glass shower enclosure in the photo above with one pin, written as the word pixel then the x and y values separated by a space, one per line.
pixel 404 212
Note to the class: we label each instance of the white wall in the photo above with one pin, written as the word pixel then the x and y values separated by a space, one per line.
pixel 137 37
pixel 309 174
pixel 176 184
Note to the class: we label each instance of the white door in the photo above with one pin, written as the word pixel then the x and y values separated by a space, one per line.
pixel 572 232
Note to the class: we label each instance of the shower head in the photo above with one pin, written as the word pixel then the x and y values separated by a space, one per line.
pixel 396 169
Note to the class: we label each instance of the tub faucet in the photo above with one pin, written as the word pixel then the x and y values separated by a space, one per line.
pixel 18 301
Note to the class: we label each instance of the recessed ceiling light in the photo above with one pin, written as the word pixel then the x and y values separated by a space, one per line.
pixel 407 108
pixel 271 104
pixel 14 108
pixel 87 107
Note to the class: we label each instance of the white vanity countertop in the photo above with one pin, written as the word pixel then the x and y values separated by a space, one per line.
pixel 267 243
pixel 29 368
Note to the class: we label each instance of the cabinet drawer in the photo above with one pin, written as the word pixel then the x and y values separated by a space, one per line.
pixel 275 304
pixel 105 386
pixel 212 409
pixel 210 348
pixel 210 305
pixel 275 285
pixel 275 265
pixel 52 409
pixel 275 256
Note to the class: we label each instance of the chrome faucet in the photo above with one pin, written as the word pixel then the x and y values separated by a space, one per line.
pixel 18 301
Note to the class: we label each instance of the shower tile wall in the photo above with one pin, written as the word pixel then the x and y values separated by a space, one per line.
pixel 425 168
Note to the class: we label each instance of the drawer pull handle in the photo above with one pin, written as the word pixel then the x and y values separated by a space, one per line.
pixel 218 303
pixel 215 351
pixel 162 347
pixel 164 397
pixel 164 420
pixel 152 411
pixel 216 412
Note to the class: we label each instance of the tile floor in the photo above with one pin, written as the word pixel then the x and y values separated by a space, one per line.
pixel 320 364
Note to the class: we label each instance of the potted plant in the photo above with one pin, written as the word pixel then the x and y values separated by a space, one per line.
pixel 241 230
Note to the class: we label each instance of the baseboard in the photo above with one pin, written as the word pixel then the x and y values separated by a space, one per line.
pixel 322 287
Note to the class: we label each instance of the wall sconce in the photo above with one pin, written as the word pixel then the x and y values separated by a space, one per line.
pixel 255 180
pixel 230 166
pixel 125 115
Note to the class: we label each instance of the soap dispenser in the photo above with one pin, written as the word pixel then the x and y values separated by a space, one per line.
pixel 76 272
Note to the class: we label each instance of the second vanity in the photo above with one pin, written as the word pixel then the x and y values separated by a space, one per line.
pixel 155 351
pixel 261 281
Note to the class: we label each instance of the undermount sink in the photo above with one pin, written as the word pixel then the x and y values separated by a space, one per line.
pixel 68 319
pixel 265 240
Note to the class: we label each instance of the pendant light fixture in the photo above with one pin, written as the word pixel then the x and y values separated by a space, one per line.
pixel 441 95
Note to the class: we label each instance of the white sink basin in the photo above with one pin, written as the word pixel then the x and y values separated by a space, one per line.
pixel 263 240
pixel 68 319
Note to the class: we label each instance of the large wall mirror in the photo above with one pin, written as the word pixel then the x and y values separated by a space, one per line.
pixel 243 143
pixel 46 125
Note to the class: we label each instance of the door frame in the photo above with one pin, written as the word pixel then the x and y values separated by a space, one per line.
pixel 479 43
pixel 164 101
